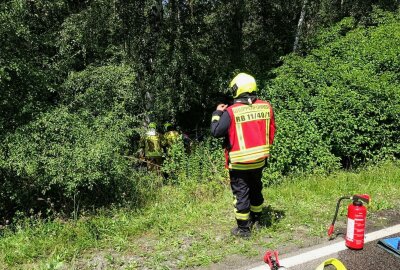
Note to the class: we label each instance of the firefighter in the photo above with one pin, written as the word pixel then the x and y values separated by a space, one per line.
pixel 172 144
pixel 152 148
pixel 248 127
pixel 171 136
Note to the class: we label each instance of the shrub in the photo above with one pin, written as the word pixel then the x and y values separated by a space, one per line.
pixel 75 152
pixel 341 101
pixel 204 163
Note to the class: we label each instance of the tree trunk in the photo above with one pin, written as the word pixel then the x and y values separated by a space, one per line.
pixel 237 33
pixel 300 25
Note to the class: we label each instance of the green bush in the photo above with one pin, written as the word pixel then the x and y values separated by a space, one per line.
pixel 299 148
pixel 336 106
pixel 341 102
pixel 204 163
pixel 75 153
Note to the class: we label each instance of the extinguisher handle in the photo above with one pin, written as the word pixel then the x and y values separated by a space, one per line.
pixel 363 197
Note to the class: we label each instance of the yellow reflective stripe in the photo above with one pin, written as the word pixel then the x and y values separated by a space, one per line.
pixel 256 208
pixel 242 216
pixel 239 133
pixel 249 155
pixel 250 158
pixel 215 118
pixel 248 166
pixel 248 151
pixel 332 261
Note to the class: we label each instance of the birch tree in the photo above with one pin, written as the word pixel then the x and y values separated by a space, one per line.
pixel 300 25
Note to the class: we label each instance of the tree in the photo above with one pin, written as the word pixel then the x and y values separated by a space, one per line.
pixel 27 80
pixel 300 25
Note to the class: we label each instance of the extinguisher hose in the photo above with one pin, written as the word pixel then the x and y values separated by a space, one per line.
pixel 331 228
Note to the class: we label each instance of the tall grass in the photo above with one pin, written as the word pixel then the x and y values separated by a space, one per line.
pixel 188 224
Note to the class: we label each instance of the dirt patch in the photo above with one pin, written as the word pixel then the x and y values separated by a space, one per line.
pixel 383 219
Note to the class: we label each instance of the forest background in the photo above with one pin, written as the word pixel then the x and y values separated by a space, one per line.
pixel 80 80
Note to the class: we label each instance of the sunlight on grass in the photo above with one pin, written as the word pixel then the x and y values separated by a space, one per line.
pixel 189 225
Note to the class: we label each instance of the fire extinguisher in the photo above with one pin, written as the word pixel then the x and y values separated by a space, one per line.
pixel 356 217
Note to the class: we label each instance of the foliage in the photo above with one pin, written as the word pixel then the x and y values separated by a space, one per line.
pixel 298 148
pixel 75 152
pixel 344 96
pixel 201 165
pixel 27 82
pixel 79 80
pixel 92 35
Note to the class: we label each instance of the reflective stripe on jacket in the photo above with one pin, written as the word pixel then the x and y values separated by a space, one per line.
pixel 171 137
pixel 153 146
pixel 251 133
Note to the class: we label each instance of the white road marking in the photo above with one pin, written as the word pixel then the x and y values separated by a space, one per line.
pixel 330 249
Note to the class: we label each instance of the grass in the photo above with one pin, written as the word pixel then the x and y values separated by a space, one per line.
pixel 188 225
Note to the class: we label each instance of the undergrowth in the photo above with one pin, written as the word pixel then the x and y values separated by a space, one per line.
pixel 188 225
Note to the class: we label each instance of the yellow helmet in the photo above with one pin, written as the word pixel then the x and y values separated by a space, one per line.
pixel 153 125
pixel 243 83
pixel 167 126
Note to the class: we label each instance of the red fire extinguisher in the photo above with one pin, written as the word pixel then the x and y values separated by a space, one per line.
pixel 356 217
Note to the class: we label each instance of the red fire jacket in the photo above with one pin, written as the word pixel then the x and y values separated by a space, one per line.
pixel 251 133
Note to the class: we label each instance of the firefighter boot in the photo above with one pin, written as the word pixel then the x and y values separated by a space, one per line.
pixel 255 218
pixel 243 229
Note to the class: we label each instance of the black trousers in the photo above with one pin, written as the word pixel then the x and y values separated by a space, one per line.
pixel 246 186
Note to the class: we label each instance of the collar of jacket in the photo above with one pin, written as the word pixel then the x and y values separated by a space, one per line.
pixel 245 99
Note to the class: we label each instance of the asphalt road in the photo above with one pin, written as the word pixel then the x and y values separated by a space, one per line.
pixel 371 257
